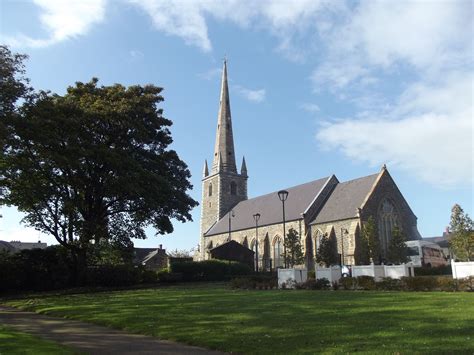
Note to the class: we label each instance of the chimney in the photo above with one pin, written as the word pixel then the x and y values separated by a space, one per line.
pixel 160 247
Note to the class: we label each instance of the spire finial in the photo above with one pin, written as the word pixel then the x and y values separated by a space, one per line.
pixel 205 171
pixel 243 169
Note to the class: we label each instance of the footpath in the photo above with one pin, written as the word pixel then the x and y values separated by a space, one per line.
pixel 91 339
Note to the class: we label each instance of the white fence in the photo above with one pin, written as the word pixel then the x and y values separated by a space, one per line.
pixel 376 271
pixel 462 270
pixel 399 271
pixel 333 273
pixel 290 277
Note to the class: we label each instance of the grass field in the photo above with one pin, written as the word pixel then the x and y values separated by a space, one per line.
pixel 14 342
pixel 280 321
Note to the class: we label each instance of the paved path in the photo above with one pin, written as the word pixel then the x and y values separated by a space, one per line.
pixel 91 339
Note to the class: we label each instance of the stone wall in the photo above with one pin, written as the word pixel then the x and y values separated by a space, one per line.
pixel 345 241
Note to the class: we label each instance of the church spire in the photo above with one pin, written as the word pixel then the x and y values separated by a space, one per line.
pixel 205 170
pixel 224 154
pixel 243 169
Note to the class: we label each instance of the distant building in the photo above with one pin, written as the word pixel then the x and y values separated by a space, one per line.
pixel 151 258
pixel 321 207
pixel 6 246
pixel 24 245
pixel 443 242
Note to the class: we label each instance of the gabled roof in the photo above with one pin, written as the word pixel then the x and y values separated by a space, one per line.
pixel 270 208
pixel 345 199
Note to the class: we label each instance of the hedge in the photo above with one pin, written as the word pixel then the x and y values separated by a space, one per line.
pixel 209 270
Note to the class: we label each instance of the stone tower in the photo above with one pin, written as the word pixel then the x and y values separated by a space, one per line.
pixel 222 186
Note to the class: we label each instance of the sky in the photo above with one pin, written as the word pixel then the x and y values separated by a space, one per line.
pixel 316 88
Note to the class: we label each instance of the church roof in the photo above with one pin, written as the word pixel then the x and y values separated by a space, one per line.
pixel 345 199
pixel 270 208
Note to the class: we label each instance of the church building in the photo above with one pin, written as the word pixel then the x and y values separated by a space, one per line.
pixel 325 206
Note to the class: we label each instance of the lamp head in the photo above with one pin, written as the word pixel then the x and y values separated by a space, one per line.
pixel 282 195
pixel 256 216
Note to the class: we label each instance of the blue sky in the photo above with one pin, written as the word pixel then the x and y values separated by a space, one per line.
pixel 317 87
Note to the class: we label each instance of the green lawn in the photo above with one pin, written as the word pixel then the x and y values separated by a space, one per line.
pixel 15 342
pixel 280 321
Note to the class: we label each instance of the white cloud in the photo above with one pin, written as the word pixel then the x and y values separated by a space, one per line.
pixel 251 95
pixel 429 133
pixel 381 35
pixel 211 74
pixel 63 20
pixel 187 19
pixel 136 54
pixel 309 107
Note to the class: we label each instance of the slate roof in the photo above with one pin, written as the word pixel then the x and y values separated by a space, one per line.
pixel 270 208
pixel 140 254
pixel 345 199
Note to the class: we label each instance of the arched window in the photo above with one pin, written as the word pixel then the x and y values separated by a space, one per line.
pixel 210 189
pixel 254 249
pixel 277 252
pixel 387 220
pixel 245 243
pixel 233 188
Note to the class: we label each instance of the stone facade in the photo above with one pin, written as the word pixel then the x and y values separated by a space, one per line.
pixel 331 208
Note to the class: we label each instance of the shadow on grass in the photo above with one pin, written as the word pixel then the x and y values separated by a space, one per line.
pixel 280 321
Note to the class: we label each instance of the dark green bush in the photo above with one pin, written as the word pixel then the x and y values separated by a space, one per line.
pixel 311 274
pixel 114 275
pixel 433 271
pixel 210 270
pixel 419 283
pixel 365 283
pixel 312 284
pixel 260 281
pixel 389 284
pixel 348 283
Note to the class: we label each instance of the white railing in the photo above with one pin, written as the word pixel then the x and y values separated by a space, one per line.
pixel 462 270
pixel 290 277
pixel 332 273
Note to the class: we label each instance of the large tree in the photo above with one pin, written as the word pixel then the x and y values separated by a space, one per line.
pixel 327 250
pixel 14 86
pixel 397 250
pixel 294 253
pixel 369 233
pixel 461 238
pixel 95 165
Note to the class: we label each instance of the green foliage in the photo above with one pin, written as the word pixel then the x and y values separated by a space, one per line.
pixel 348 283
pixel 397 250
pixel 253 282
pixel 327 251
pixel 312 274
pixel 209 270
pixel 312 284
pixel 294 252
pixel 369 233
pixel 462 234
pixel 389 284
pixel 94 165
pixel 365 283
pixel 432 271
pixel 361 250
pixel 420 283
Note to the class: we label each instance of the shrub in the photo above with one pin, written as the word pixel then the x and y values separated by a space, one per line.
pixel 419 283
pixel 365 283
pixel 348 283
pixel 312 284
pixel 311 274
pixel 113 275
pixel 429 271
pixel 389 284
pixel 210 270
pixel 261 281
pixel 466 284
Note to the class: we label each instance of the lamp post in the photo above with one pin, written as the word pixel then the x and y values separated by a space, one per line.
pixel 283 195
pixel 231 214
pixel 256 217
pixel 343 232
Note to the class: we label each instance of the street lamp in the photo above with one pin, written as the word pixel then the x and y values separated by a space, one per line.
pixel 283 195
pixel 231 214
pixel 256 217
pixel 343 232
